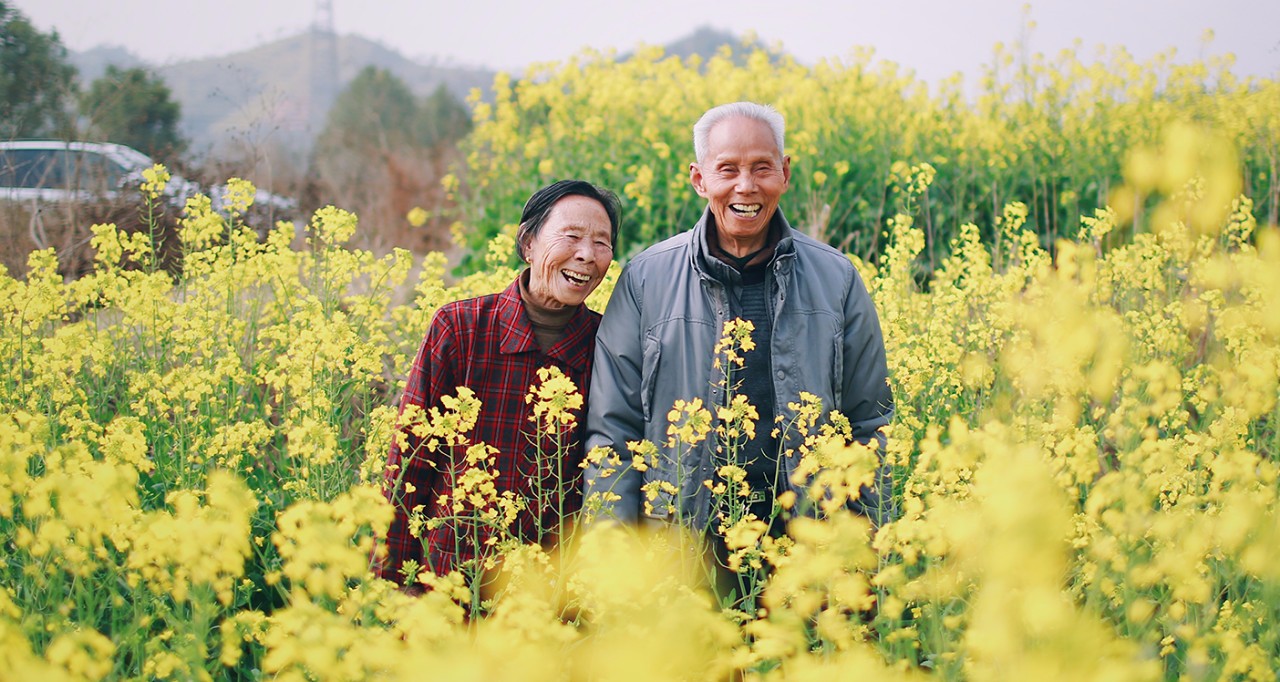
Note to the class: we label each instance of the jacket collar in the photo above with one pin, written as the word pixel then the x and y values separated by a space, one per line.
pixel 574 348
pixel 708 265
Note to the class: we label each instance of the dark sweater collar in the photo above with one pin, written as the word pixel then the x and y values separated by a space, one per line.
pixel 714 261
pixel 574 347
pixel 548 323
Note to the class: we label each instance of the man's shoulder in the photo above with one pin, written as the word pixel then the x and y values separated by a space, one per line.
pixel 810 248
pixel 820 261
pixel 665 252
pixel 673 245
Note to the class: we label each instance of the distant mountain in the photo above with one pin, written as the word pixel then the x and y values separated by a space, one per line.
pixel 704 42
pixel 264 93
pixel 92 63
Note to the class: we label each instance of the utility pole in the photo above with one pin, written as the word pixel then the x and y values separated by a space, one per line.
pixel 324 67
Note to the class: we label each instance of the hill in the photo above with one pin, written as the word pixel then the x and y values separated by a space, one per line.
pixel 704 41
pixel 92 63
pixel 263 95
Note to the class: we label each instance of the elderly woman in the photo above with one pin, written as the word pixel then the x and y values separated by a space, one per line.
pixel 495 346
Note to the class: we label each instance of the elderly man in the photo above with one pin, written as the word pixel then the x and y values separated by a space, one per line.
pixel 815 330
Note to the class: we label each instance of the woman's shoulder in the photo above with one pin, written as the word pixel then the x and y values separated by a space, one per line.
pixel 467 305
pixel 590 319
pixel 467 313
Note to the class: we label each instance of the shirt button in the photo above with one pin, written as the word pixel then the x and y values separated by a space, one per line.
pixel 782 374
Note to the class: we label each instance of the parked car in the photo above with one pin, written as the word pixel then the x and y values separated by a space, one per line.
pixel 52 191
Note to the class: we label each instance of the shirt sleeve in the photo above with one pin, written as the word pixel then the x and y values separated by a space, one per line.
pixel 614 413
pixel 412 474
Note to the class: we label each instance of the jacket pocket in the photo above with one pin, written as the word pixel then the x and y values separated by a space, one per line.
pixel 649 374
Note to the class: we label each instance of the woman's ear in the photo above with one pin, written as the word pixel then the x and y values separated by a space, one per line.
pixel 522 242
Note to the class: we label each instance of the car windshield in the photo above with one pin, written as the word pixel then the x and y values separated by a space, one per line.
pixel 132 159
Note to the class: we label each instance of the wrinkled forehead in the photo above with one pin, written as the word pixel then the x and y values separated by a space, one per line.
pixel 577 213
pixel 742 138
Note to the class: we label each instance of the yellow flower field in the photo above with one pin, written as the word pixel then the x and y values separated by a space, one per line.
pixel 1054 132
pixel 1086 455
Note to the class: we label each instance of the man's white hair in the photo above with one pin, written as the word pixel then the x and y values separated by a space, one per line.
pixel 751 110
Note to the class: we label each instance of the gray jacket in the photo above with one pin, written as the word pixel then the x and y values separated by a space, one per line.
pixel 655 346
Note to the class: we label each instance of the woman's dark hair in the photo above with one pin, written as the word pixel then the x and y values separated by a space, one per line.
pixel 539 206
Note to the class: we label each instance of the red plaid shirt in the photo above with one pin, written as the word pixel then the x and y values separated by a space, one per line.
pixel 486 344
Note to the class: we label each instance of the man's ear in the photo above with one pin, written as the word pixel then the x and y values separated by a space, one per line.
pixel 786 172
pixel 695 179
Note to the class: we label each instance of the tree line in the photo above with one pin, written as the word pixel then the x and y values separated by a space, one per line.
pixel 40 95
pixel 381 152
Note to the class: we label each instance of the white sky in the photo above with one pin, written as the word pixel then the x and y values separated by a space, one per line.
pixel 932 37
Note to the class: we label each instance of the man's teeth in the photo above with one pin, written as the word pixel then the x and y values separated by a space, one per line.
pixel 749 210
pixel 580 279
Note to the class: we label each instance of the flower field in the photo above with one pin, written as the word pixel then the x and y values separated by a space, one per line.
pixel 1055 132
pixel 1085 451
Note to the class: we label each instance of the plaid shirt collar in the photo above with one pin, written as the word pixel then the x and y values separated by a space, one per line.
pixel 574 348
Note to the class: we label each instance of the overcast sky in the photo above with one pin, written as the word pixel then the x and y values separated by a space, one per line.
pixel 932 37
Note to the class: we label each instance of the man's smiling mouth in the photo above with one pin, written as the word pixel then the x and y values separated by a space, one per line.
pixel 746 210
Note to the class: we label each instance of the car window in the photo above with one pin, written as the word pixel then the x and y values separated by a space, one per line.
pixel 93 171
pixel 32 168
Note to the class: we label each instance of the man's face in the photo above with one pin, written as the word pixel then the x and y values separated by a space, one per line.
pixel 742 177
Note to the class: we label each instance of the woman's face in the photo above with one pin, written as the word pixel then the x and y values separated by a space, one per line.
pixel 570 254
